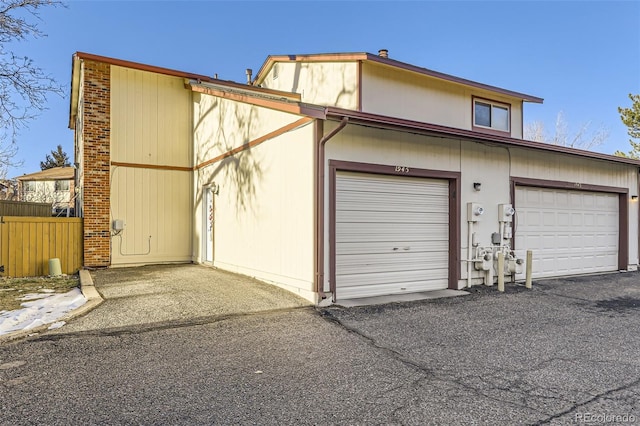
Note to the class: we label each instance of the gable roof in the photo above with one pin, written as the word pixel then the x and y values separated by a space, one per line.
pixel 55 173
pixel 78 57
pixel 369 57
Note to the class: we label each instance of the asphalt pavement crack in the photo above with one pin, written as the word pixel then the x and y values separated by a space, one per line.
pixel 582 404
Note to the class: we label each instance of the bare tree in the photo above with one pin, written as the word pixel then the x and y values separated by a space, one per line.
pixel 583 138
pixel 23 85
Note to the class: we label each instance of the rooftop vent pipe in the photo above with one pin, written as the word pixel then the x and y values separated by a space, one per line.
pixel 249 72
pixel 383 53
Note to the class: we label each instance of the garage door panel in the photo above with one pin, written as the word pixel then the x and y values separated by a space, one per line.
pixel 388 262
pixel 569 232
pixel 353 232
pixel 391 217
pixel 391 234
pixel 393 287
pixel 441 245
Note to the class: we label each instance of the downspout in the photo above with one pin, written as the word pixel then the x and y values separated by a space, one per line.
pixel 320 208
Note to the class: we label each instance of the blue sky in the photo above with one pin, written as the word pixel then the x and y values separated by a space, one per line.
pixel 582 57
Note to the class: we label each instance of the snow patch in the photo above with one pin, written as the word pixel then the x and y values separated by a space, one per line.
pixel 41 311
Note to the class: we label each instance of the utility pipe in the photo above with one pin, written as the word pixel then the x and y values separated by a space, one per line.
pixel 320 166
pixel 500 271
pixel 469 252
pixel 527 282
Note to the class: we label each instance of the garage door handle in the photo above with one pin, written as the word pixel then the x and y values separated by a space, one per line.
pixel 404 248
pixel 407 248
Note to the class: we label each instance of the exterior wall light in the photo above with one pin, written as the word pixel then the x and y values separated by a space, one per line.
pixel 477 185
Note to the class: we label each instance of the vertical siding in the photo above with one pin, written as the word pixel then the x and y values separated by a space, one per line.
pixel 263 220
pixel 151 191
pixel 398 93
pixel 27 244
pixel 492 166
pixel 321 83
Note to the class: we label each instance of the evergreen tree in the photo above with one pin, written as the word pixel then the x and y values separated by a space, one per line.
pixel 631 118
pixel 58 158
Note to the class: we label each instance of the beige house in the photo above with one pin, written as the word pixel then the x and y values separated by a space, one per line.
pixel 338 176
pixel 55 186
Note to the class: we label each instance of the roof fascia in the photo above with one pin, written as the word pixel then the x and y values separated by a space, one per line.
pixel 337 57
pixel 447 77
pixel 393 123
pixel 263 100
pixel 75 91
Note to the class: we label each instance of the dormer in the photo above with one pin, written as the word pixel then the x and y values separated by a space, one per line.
pixel 379 85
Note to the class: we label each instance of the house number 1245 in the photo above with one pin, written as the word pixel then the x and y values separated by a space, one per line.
pixel 402 169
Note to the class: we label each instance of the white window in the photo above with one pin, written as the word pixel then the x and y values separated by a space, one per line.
pixel 29 186
pixel 62 185
pixel 490 115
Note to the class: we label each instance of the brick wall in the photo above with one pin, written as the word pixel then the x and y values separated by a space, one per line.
pixel 96 161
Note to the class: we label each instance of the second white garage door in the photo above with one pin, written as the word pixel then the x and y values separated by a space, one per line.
pixel 392 234
pixel 569 232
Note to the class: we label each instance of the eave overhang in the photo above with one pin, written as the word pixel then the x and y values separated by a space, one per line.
pixel 363 56
pixel 417 127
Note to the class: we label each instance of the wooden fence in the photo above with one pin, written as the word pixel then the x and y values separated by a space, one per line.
pixel 22 208
pixel 27 244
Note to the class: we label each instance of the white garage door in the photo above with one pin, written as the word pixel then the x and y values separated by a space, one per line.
pixel 392 234
pixel 570 232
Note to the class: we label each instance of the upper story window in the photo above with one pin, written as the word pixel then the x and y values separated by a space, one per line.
pixel 62 185
pixel 491 115
pixel 29 186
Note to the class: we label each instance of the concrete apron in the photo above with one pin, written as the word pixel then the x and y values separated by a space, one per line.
pixel 155 294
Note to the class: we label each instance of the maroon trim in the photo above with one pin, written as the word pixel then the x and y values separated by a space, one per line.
pixel 318 215
pixel 394 123
pixel 490 131
pixel 362 56
pixel 623 208
pixel 380 169
pixel 177 73
pixel 623 231
pixel 576 186
pixel 320 176
pixel 359 108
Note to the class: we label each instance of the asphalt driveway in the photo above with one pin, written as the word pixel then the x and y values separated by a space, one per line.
pixel 565 352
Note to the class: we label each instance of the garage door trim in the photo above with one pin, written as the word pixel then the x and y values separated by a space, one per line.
pixel 623 208
pixel 454 209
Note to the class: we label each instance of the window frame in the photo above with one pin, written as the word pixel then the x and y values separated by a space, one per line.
pixel 56 188
pixel 490 129
pixel 29 186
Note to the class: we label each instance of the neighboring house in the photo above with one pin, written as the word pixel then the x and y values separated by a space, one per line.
pixel 55 186
pixel 8 189
pixel 337 176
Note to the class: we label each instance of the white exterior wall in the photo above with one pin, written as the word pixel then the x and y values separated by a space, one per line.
pixel 399 93
pixel 320 83
pixel 151 133
pixel 264 217
pixel 44 191
pixel 492 166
